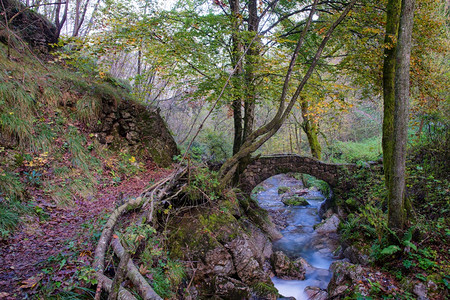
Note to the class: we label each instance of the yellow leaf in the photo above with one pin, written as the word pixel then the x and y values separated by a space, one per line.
pixel 31 282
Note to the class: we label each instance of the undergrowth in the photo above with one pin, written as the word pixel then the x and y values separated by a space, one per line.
pixel 353 152
pixel 421 252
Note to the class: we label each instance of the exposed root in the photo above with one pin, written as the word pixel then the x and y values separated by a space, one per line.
pixel 143 287
pixel 152 196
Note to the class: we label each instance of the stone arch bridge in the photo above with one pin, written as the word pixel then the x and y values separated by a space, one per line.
pixel 263 167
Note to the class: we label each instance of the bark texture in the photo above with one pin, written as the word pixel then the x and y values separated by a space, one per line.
pixel 312 132
pixel 401 116
pixel 390 41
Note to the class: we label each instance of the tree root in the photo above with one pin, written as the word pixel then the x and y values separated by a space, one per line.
pixel 153 196
pixel 143 287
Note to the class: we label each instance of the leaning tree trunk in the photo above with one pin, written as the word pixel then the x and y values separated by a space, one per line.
pixel 257 138
pixel 397 214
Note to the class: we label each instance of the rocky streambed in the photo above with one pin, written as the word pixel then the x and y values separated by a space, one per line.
pixel 306 241
pixel 269 246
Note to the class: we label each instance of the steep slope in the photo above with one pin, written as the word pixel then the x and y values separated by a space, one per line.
pixel 71 146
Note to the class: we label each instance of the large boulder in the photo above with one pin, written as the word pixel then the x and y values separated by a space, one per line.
pixel 357 256
pixel 315 293
pixel 28 25
pixel 232 255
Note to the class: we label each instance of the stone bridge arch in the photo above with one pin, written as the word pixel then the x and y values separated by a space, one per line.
pixel 263 167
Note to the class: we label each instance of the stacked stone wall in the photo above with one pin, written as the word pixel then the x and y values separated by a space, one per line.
pixel 267 166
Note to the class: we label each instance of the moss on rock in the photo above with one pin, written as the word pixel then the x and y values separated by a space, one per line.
pixel 294 200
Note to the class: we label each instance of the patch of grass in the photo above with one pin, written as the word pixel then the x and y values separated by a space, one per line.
pixel 43 138
pixel 88 108
pixel 353 152
pixel 10 185
pixel 81 158
pixel 52 96
pixel 16 112
pixel 10 212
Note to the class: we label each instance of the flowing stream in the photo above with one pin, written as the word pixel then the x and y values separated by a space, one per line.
pixel 299 237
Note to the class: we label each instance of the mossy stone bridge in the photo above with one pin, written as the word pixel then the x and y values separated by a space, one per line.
pixel 263 167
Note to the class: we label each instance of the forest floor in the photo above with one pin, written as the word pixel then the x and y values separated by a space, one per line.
pixel 54 247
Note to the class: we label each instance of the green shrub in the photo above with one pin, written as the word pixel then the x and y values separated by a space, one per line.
pixel 217 147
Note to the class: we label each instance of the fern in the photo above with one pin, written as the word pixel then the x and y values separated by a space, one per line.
pixel 392 249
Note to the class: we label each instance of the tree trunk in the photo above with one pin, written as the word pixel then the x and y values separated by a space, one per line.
pixel 298 138
pixel 390 41
pixel 396 218
pixel 251 60
pixel 237 77
pixel 258 137
pixel 312 131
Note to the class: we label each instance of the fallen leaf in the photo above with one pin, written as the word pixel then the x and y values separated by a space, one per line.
pixel 31 282
pixel 143 270
pixel 3 295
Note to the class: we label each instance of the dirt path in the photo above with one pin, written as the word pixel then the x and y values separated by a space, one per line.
pixel 46 255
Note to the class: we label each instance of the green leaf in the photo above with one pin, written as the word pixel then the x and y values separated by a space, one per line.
pixel 390 250
pixel 411 245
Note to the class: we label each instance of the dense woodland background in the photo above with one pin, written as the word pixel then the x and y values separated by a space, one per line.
pixel 231 79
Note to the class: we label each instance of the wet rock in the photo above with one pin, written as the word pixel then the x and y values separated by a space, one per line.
pixel 294 200
pixel 315 293
pixel 279 218
pixel 284 268
pixel 329 225
pixel 304 265
pixel 259 244
pixel 300 192
pixel 328 214
pixel 218 262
